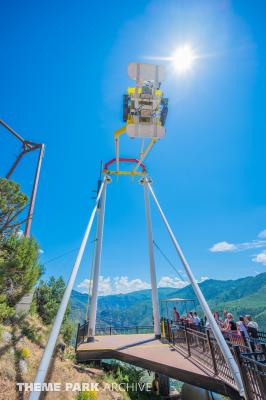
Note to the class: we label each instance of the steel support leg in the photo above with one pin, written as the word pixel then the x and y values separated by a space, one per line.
pixel 49 349
pixel 96 269
pixel 206 309
pixel 34 192
pixel 154 290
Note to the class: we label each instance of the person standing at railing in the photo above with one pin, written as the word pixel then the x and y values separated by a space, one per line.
pixel 251 325
pixel 242 328
pixel 252 328
pixel 196 321
pixel 176 315
pixel 229 324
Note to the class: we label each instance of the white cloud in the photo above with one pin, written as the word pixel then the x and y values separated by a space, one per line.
pixel 260 258
pixel 229 247
pixel 119 284
pixel 122 284
pixel 167 281
pixel 20 233
pixel 262 234
pixel 202 279
pixel 104 287
pixel 254 244
pixel 223 246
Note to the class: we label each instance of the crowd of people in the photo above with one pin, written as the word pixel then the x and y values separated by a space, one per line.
pixel 245 326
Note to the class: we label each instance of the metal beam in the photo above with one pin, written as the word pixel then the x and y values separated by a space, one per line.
pixel 27 147
pixel 14 133
pixel 34 192
pixel 49 349
pixel 154 290
pixel 16 162
pixel 145 153
pixel 205 307
pixel 97 262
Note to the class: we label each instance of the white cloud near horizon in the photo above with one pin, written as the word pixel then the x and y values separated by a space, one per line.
pixel 123 285
pixel 168 281
pixel 203 279
pixel 119 284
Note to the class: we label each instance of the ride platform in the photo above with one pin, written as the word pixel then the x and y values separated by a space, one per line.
pixel 157 355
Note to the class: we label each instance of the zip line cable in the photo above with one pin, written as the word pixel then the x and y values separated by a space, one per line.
pixel 169 262
pixel 63 254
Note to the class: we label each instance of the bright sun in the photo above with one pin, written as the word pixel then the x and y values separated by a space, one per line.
pixel 183 59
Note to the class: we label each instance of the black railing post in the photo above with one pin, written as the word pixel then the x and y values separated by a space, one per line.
pixel 243 373
pixel 77 338
pixel 110 329
pixel 187 340
pixel 137 329
pixel 261 372
pixel 173 337
pixel 165 327
pixel 169 330
pixel 212 353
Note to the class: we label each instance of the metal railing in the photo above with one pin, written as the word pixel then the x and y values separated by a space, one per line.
pixel 252 366
pixel 103 330
pixel 203 348
pixel 199 344
pixel 262 336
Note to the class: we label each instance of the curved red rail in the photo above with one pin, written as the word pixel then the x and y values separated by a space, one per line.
pixel 106 165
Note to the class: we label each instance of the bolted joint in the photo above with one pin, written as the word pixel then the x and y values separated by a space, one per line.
pixel 108 179
pixel 145 179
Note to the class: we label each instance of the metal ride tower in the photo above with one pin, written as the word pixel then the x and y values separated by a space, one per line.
pixel 27 147
pixel 144 113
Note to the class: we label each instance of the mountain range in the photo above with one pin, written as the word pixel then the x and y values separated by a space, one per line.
pixel 241 296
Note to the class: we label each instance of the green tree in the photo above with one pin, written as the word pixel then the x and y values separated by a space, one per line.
pixel 19 267
pixel 12 203
pixel 48 296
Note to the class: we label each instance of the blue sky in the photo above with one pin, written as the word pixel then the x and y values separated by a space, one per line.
pixel 63 73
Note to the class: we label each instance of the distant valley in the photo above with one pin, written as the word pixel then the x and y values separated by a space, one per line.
pixel 240 296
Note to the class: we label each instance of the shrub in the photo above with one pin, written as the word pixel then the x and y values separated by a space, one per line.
pixel 24 353
pixel 87 395
pixel 29 332
pixel 67 331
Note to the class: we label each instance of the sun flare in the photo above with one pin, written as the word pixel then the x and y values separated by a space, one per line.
pixel 183 58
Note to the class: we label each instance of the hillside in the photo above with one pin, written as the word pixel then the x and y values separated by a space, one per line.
pixel 241 296
pixel 21 348
pixel 119 310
